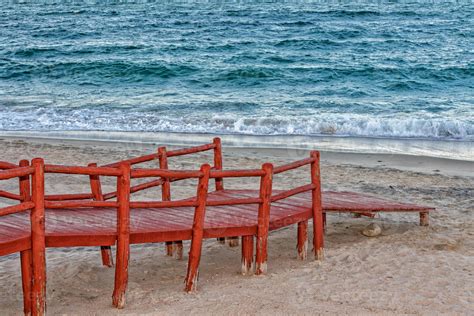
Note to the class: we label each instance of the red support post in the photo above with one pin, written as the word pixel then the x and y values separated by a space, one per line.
pixel 247 254
pixel 198 231
pixel 123 233
pixel 172 248
pixel 318 226
pixel 26 255
pixel 424 219
pixel 26 279
pixel 263 219
pixel 302 245
pixel 324 222
pixel 96 188
pixel 38 240
pixel 218 165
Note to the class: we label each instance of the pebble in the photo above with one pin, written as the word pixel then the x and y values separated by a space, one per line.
pixel 372 230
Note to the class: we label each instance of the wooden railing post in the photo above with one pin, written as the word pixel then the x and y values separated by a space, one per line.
pixel 172 248
pixel 26 255
pixel 38 240
pixel 263 219
pixel 96 190
pixel 24 182
pixel 302 245
pixel 318 225
pixel 123 236
pixel 198 230
pixel 247 254
pixel 219 182
pixel 218 165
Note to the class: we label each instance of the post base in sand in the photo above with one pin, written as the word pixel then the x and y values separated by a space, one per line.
pixel 303 251
pixel 319 254
pixel 178 250
pixel 169 248
pixel 106 253
pixel 233 241
pixel 424 219
pixel 191 285
pixel 118 300
pixel 247 267
pixel 261 268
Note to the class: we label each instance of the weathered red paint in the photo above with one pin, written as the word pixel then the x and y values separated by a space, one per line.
pixel 247 254
pixel 123 236
pixel 263 219
pixel 223 213
pixel 197 230
pixel 165 191
pixel 317 208
pixel 38 289
pixel 96 188
pixel 302 244
pixel 26 255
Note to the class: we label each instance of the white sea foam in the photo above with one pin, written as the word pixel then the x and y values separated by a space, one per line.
pixel 317 124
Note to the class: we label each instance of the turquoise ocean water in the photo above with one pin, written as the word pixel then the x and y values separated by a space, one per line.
pixel 391 71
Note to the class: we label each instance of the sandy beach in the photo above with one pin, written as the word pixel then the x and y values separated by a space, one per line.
pixel 408 269
pixel 383 89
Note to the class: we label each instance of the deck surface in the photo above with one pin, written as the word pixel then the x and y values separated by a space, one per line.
pixel 93 227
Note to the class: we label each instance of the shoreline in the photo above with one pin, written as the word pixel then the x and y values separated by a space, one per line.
pixel 405 162
pixel 449 149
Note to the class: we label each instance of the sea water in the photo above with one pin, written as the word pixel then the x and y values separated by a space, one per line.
pixel 281 73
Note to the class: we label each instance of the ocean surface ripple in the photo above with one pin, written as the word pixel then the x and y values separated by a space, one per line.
pixel 395 69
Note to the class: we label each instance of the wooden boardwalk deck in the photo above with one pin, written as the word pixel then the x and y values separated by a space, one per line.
pixel 97 219
pixel 98 226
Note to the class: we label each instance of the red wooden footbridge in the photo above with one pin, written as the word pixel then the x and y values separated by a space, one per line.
pixel 115 219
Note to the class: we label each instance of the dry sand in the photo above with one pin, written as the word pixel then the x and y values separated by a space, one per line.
pixel 408 269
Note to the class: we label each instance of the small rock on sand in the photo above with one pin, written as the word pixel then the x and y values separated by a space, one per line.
pixel 372 230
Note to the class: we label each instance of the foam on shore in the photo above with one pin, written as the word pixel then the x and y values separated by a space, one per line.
pixel 457 150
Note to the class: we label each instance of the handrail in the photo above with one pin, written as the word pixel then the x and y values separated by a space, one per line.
pixel 11 196
pixel 293 165
pixel 190 150
pixel 171 153
pixel 163 204
pixel 15 173
pixel 7 165
pixel 291 192
pixel 133 161
pixel 176 174
pixel 79 204
pixel 67 197
pixel 135 188
pixel 237 173
pixel 17 208
pixel 95 171
pixel 243 201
